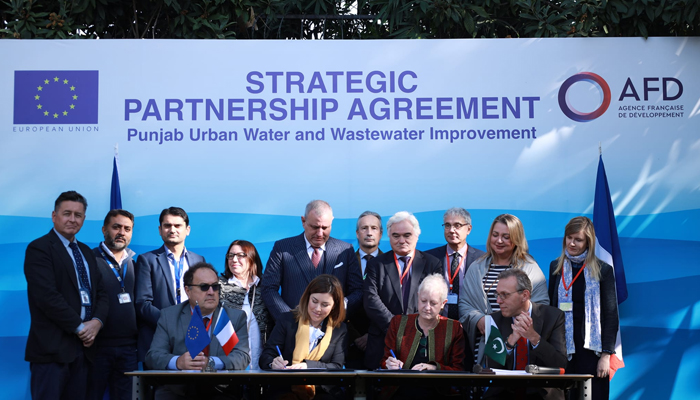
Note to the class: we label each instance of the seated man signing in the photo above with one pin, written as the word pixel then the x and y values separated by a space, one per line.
pixel 533 333
pixel 168 350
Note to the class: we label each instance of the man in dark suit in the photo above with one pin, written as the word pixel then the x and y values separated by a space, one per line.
pixel 456 256
pixel 168 350
pixel 297 260
pixel 116 344
pixel 391 285
pixel 369 232
pixel 159 274
pixel 534 333
pixel 67 304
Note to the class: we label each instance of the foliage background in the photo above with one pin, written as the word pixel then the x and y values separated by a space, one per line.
pixel 339 19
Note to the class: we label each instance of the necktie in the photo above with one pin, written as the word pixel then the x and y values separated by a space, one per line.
pixel 405 282
pixel 521 356
pixel 316 257
pixel 205 320
pixel 82 274
pixel 453 309
pixel 367 258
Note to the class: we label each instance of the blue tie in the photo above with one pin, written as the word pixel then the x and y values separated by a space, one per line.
pixel 82 274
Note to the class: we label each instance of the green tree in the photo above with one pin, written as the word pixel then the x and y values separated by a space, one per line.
pixel 330 19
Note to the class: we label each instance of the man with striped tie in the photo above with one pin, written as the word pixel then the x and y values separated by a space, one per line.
pixel 67 304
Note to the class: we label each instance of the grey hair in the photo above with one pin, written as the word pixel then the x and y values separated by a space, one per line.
pixel 318 207
pixel 434 283
pixel 458 212
pixel 523 281
pixel 403 216
pixel 366 214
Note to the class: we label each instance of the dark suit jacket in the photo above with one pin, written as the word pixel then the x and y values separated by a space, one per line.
pixel 289 266
pixel 548 322
pixel 54 300
pixel 284 336
pixel 169 339
pixel 472 254
pixel 383 298
pixel 154 292
pixel 120 327
pixel 358 325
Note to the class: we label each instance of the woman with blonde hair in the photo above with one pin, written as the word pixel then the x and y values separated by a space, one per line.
pixel 506 247
pixel 583 287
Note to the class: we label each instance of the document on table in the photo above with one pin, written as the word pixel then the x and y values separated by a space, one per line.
pixel 509 372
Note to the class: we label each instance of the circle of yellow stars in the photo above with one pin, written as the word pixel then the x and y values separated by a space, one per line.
pixel 40 88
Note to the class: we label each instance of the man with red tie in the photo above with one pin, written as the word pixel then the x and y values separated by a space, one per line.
pixel 391 285
pixel 533 334
pixel 168 350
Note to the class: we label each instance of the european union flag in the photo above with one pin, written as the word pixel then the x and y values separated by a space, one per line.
pixel 197 337
pixel 115 196
pixel 56 97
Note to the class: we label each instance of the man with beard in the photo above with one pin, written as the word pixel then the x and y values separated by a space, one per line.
pixel 159 274
pixel 116 344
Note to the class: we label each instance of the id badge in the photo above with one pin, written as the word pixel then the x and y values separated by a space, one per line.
pixel 452 298
pixel 124 298
pixel 566 306
pixel 85 297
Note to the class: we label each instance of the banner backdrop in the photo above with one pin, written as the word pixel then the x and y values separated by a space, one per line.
pixel 242 134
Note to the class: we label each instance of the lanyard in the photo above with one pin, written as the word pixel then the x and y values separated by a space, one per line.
pixel 405 271
pixel 114 269
pixel 563 282
pixel 178 271
pixel 461 262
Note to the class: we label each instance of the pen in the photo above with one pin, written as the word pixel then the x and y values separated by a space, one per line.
pixel 392 353
pixel 280 353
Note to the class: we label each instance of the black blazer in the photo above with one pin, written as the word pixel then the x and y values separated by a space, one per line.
pixel 383 298
pixel 472 254
pixel 284 336
pixel 54 300
pixel 548 322
pixel 609 318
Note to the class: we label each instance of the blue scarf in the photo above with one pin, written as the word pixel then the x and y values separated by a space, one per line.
pixel 592 339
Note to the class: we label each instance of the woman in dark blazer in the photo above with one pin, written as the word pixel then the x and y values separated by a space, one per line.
pixel 583 287
pixel 313 335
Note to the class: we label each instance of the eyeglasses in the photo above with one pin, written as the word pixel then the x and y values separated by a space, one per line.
pixel 504 296
pixel 204 287
pixel 230 256
pixel 457 226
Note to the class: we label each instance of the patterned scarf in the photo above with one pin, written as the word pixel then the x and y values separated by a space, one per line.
pixel 592 339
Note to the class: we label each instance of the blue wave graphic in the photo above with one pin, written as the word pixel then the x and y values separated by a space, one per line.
pixel 659 329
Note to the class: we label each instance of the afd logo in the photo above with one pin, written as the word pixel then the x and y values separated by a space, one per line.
pixel 56 97
pixel 565 102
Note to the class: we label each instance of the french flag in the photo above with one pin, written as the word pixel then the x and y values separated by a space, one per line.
pixel 225 333
pixel 608 249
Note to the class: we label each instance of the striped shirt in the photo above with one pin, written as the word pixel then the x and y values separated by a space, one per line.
pixel 490 281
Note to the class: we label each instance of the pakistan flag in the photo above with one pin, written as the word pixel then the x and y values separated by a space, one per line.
pixel 495 348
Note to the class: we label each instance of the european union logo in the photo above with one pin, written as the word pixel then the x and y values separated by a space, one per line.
pixel 56 97
pixel 197 337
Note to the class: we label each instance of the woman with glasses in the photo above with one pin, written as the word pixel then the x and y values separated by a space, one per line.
pixel 425 341
pixel 583 287
pixel 240 289
pixel 310 336
pixel 506 247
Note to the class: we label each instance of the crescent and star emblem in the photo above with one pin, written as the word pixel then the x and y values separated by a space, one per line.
pixel 495 346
